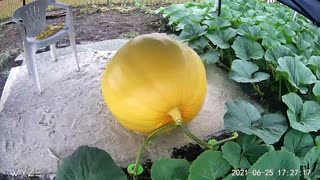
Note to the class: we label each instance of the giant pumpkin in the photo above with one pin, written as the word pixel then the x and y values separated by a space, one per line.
pixel 153 81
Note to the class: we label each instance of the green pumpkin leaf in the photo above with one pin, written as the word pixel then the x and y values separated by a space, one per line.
pixel 252 32
pixel 192 31
pixel 294 26
pixel 268 42
pixel 296 73
pixel 311 168
pixel 252 147
pixel 273 33
pixel 276 52
pixel 199 44
pixel 231 151
pixel 270 127
pixel 293 49
pixel 176 16
pixel 216 23
pixel 301 44
pixel 294 102
pixel 246 72
pixel 167 169
pixel 247 20
pixel 187 20
pixel 247 49
pixel 245 152
pixel 277 161
pixel 304 118
pixel 244 117
pixel 89 163
pixel 172 9
pixel 209 165
pixel 297 142
pixel 220 37
pixel 316 88
pixel 211 56
pixel 314 63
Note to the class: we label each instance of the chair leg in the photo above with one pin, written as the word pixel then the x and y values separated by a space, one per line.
pixel 74 48
pixel 33 67
pixel 26 58
pixel 53 52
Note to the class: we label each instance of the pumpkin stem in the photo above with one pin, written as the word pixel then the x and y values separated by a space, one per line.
pixel 193 137
pixel 177 118
pixel 175 114
pixel 146 142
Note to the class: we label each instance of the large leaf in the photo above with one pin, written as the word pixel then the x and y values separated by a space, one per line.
pixel 220 37
pixel 245 152
pixel 276 52
pixel 187 20
pixel 199 44
pixel 246 72
pixel 244 117
pixel 269 42
pixel 216 23
pixel 192 31
pixel 176 16
pixel 172 9
pixel 297 142
pixel 210 165
pixel 252 147
pixel 247 49
pixel 168 169
pixel 311 168
pixel 231 151
pixel 314 63
pixel 211 56
pixel 296 73
pixel 301 43
pixel 89 163
pixel 276 162
pixel 252 32
pixel 273 33
pixel 303 117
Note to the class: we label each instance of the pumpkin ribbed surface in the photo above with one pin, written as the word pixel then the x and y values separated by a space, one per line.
pixel 151 81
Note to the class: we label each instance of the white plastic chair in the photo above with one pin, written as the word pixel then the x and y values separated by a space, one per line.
pixel 32 20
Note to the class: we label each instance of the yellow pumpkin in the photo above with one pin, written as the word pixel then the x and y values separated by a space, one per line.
pixel 153 81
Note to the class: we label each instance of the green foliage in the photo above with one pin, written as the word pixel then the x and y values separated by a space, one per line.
pixel 247 49
pixel 243 153
pixel 246 72
pixel 281 163
pixel 209 165
pixel 244 117
pixel 297 142
pixel 89 163
pixel 167 169
pixel 311 166
pixel 298 74
pixel 302 116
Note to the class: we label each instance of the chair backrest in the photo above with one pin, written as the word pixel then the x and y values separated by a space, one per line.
pixel 33 17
